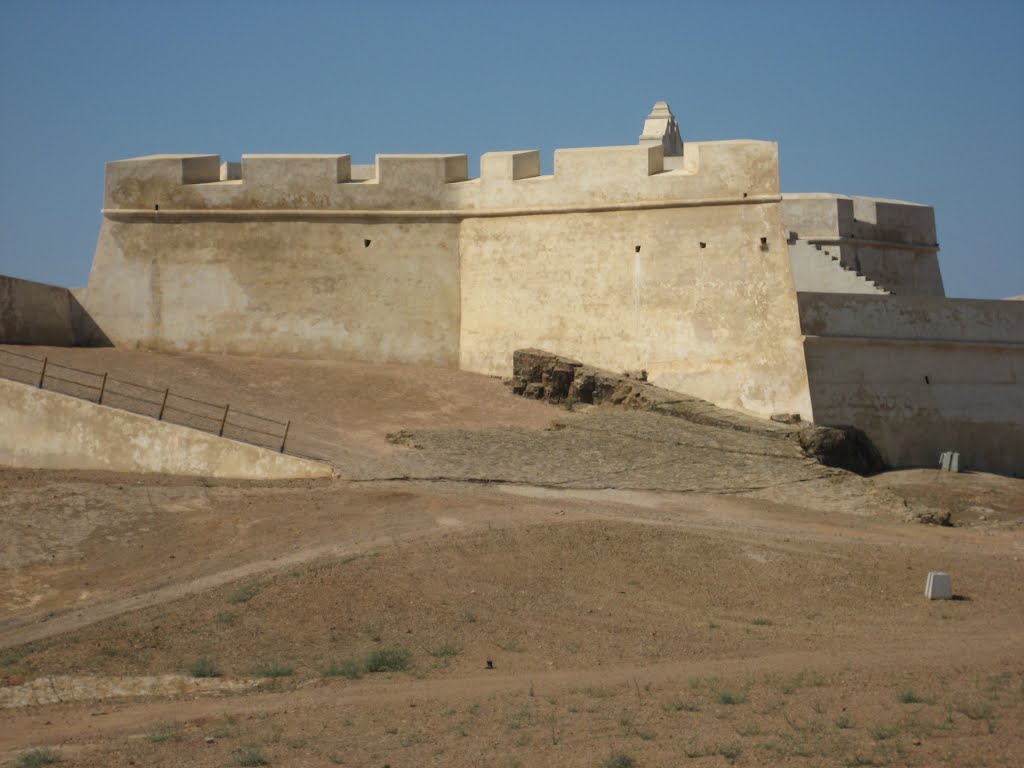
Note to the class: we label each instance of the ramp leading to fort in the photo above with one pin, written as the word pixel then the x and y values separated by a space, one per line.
pixel 49 430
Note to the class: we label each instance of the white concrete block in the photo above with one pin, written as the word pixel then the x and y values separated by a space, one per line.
pixel 939 586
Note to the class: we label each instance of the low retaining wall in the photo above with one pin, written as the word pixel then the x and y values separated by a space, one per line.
pixel 48 430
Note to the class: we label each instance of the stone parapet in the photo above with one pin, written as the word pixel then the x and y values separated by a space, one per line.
pixel 510 183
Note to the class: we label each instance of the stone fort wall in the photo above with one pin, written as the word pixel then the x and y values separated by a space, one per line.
pixel 683 260
pixel 920 375
pixel 613 258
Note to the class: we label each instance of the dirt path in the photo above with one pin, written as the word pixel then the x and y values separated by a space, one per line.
pixel 481 507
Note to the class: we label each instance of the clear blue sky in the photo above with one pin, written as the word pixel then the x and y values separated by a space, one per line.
pixel 920 101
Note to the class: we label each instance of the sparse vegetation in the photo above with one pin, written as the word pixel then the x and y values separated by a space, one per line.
pixel 597 692
pixel 11 658
pixel 803 679
pixel 730 752
pixel 250 756
pixel 762 622
pixel 388 660
pixel 681 705
pixel 619 760
pixel 203 667
pixel 749 729
pixel 909 697
pixel 165 734
pixel 843 723
pixel 37 758
pixel 728 696
pixel 348 668
pixel 274 669
pixel 979 710
pixel 244 593
pixel 884 732
pixel 445 651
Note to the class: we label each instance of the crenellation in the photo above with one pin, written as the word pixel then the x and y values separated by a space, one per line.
pixel 510 166
pixel 145 181
pixel 296 171
pixel 421 173
pixel 599 166
pixel 509 181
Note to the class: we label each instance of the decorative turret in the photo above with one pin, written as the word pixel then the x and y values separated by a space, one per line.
pixel 661 128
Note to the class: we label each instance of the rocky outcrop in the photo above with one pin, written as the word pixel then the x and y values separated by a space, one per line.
pixel 844 447
pixel 541 375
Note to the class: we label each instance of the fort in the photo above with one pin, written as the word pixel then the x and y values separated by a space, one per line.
pixel 269 495
pixel 680 258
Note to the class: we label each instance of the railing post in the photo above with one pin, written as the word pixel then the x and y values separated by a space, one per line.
pixel 103 388
pixel 163 405
pixel 285 438
pixel 42 374
pixel 224 420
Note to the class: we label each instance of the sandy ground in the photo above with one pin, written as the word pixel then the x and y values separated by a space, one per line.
pixel 643 588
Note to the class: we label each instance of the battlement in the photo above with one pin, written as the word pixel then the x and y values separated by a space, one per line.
pixel 823 216
pixel 439 184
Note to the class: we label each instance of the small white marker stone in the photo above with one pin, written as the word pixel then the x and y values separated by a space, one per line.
pixel 939 586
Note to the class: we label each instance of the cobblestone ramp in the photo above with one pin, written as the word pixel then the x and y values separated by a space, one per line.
pixel 609 448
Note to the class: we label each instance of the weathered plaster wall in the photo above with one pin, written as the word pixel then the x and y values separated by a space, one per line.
pixel 48 430
pixel 34 313
pixel 704 306
pixel 294 259
pixel 920 375
pixel 311 289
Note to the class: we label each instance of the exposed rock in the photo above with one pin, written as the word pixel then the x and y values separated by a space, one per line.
pixel 843 447
pixel 786 418
pixel 541 375
pixel 402 437
pixel 942 517
pixel 545 376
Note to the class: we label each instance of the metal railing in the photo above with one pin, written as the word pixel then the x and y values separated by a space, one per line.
pixel 161 404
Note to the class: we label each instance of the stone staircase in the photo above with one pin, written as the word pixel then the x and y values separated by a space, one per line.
pixel 818 268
